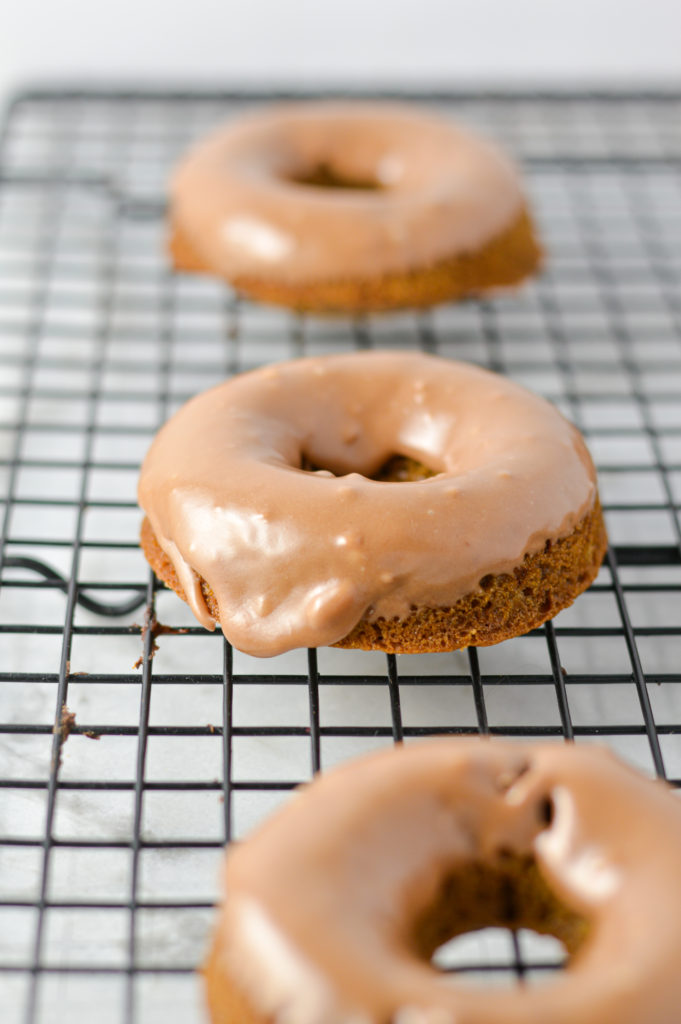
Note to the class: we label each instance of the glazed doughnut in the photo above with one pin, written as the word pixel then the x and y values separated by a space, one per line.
pixel 335 906
pixel 342 206
pixel 276 504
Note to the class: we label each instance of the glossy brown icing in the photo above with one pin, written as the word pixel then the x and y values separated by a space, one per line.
pixel 321 901
pixel 245 203
pixel 296 557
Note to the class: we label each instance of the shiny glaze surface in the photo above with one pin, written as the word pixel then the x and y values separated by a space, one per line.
pixel 320 900
pixel 240 199
pixel 297 558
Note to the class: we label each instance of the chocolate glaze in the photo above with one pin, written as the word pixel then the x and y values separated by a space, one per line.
pixel 297 558
pixel 241 201
pixel 321 900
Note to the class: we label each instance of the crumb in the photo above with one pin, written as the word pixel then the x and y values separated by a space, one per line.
pixel 67 723
pixel 63 729
pixel 156 628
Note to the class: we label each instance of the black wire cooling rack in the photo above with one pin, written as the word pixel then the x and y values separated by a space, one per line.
pixel 120 784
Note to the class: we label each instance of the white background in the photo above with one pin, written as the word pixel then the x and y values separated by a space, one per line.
pixel 315 41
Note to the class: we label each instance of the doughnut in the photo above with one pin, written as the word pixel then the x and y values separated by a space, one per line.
pixel 388 501
pixel 349 207
pixel 336 904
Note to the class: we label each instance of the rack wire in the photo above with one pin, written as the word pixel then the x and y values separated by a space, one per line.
pixel 113 821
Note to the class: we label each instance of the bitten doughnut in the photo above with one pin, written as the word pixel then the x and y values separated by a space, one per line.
pixel 382 500
pixel 351 206
pixel 335 905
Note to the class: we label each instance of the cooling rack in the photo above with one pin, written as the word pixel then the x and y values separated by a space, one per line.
pixel 130 751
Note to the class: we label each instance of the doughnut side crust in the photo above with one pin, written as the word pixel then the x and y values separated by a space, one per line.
pixel 505 261
pixel 506 605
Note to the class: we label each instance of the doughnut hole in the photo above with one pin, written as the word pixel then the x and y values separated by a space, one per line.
pixel 402 468
pixel 325 175
pixel 506 893
pixel 494 958
pixel 509 894
pixel 396 469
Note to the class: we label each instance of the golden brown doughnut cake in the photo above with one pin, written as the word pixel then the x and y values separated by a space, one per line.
pixel 334 906
pixel 351 207
pixel 382 500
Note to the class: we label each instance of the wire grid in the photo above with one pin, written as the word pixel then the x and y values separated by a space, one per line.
pixel 113 824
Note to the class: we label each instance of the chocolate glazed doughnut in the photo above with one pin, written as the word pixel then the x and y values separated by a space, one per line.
pixel 330 206
pixel 335 905
pixel 381 500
